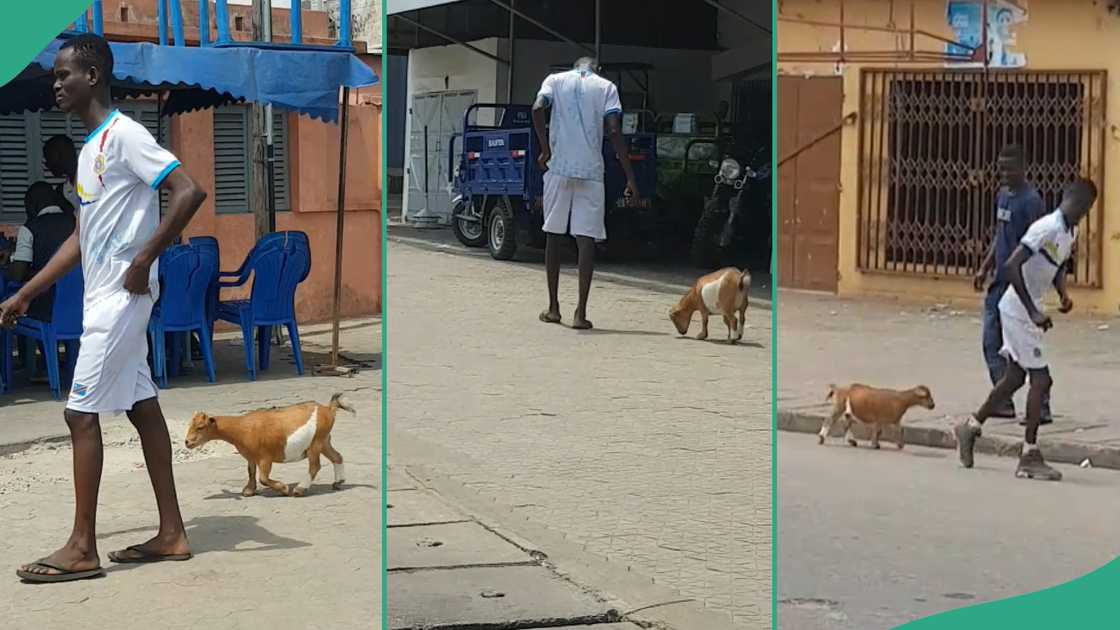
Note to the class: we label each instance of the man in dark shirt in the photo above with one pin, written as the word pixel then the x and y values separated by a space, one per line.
pixel 61 159
pixel 49 224
pixel 1018 205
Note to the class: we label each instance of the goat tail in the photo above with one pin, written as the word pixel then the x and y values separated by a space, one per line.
pixel 337 403
pixel 745 281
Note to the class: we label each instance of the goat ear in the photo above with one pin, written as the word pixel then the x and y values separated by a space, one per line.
pixel 211 420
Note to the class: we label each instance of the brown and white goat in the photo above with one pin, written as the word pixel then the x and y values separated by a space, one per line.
pixel 276 436
pixel 872 406
pixel 723 292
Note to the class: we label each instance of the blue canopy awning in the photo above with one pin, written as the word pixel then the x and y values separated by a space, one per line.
pixel 291 78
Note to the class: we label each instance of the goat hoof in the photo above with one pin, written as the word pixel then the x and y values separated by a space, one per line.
pixel 901 446
pixel 820 439
pixel 853 443
pixel 338 484
pixel 875 446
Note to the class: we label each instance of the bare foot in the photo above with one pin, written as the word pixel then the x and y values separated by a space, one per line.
pixel 170 547
pixel 69 558
pixel 580 322
pixel 550 316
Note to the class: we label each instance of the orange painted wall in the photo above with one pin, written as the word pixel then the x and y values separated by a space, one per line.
pixel 314 149
pixel 314 186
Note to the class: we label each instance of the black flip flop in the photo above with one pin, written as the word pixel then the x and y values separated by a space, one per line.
pixel 146 558
pixel 63 575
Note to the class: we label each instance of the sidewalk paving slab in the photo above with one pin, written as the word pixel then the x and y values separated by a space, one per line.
pixel 449 545
pixel 418 507
pixel 491 597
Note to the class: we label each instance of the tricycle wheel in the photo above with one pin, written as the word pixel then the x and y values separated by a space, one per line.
pixel 502 232
pixel 466 223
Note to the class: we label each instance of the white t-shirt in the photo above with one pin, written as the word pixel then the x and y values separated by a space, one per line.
pixel 25 240
pixel 580 101
pixel 120 169
pixel 71 194
pixel 1050 241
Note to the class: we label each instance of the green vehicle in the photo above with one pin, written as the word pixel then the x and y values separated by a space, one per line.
pixel 686 163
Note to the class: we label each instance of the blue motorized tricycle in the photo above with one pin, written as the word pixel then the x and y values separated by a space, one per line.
pixel 498 184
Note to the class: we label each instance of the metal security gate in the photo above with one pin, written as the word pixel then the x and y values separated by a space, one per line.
pixel 928 142
pixel 434 118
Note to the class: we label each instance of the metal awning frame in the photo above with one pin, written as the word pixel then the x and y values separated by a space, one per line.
pixel 912 54
pixel 515 13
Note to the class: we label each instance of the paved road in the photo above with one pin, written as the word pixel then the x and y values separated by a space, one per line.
pixel 677 273
pixel 309 562
pixel 647 449
pixel 824 339
pixel 872 539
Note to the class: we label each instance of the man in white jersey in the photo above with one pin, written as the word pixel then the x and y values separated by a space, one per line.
pixel 117 240
pixel 571 155
pixel 1040 262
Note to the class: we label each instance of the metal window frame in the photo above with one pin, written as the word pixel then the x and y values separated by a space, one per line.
pixel 282 204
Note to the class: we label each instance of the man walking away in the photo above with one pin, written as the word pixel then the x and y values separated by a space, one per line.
pixel 579 101
pixel 118 239
pixel 1039 262
pixel 1018 205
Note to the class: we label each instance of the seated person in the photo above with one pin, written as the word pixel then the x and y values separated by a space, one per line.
pixel 47 228
pixel 62 161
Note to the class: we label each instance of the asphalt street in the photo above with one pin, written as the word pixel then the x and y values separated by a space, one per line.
pixel 873 539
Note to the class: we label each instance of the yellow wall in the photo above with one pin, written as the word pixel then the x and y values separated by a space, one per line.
pixel 1069 35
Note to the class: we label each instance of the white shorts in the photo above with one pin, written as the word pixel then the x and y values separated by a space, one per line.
pixel 1022 342
pixel 112 371
pixel 579 201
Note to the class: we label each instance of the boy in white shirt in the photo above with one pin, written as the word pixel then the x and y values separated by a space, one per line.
pixel 1039 263
pixel 117 240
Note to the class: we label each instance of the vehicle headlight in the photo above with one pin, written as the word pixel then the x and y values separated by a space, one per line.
pixel 729 169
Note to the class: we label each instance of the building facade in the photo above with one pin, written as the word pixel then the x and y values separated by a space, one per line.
pixel 887 153
pixel 214 147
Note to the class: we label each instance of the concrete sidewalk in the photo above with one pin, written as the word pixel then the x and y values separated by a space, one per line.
pixel 825 339
pixel 457 560
pixel 282 562
pixel 665 277
pixel 635 445
pixel 30 416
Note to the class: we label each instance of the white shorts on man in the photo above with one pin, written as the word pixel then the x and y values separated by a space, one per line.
pixel 1022 342
pixel 112 372
pixel 575 203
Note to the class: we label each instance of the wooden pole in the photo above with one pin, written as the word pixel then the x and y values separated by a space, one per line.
pixel 258 163
pixel 340 224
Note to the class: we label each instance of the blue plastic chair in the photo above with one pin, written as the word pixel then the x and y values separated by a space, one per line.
pixel 5 352
pixel 278 264
pixel 65 327
pixel 209 244
pixel 186 273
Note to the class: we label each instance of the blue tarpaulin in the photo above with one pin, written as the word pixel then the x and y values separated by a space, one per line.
pixel 292 78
